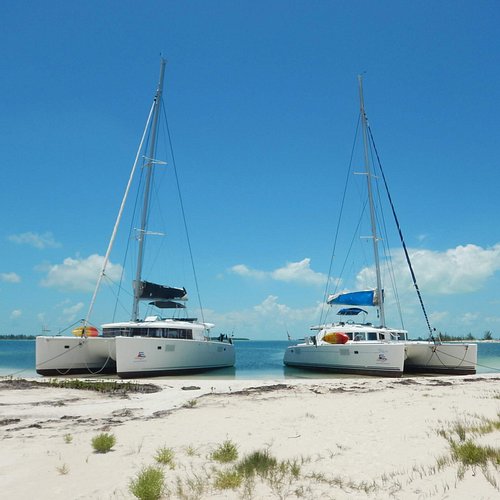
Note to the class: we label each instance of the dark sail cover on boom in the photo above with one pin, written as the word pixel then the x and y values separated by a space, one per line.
pixel 152 291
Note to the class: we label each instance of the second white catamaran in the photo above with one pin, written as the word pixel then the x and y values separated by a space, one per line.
pixel 347 346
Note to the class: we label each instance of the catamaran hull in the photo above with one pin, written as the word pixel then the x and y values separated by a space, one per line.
pixel 449 358
pixel 150 357
pixel 71 355
pixel 386 360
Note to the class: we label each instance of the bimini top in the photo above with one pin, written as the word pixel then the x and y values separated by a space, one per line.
pixel 351 311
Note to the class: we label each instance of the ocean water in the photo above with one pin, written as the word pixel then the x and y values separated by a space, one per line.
pixel 255 359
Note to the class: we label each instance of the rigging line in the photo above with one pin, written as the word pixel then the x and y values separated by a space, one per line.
pixel 119 217
pixel 386 245
pixel 71 326
pixel 128 247
pixel 183 213
pixel 414 278
pixel 325 295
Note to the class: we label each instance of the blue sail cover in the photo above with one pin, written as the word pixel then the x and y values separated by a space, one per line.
pixel 362 298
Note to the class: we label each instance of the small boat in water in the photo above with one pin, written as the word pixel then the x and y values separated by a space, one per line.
pixel 347 346
pixel 140 347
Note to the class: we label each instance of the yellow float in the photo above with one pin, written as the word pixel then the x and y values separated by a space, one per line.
pixel 90 331
pixel 336 338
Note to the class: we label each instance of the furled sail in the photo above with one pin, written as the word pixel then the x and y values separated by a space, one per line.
pixel 152 291
pixel 361 298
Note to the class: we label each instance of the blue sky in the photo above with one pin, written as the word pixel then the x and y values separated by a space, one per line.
pixel 262 104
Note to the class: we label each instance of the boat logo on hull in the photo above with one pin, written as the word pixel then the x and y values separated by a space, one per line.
pixel 140 355
pixel 382 357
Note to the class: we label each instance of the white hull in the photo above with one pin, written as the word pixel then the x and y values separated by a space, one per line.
pixel 365 358
pixel 457 359
pixel 129 357
pixel 143 356
pixel 73 355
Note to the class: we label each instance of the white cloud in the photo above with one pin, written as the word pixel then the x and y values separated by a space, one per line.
pixel 40 241
pixel 463 269
pixel 16 313
pixel 243 270
pixel 70 313
pixel 79 274
pixel 10 277
pixel 269 319
pixel 299 272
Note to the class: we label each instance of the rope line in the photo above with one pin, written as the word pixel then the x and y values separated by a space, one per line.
pixel 414 278
pixel 183 212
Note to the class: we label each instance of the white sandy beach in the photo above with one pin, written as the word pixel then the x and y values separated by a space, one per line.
pixel 352 438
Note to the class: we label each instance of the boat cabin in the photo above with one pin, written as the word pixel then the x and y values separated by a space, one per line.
pixel 154 326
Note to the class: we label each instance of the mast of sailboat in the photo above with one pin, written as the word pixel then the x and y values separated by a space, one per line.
pixel 149 164
pixel 373 219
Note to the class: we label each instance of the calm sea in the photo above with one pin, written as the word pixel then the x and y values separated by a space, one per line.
pixel 254 360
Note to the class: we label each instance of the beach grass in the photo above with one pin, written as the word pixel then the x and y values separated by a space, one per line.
pixel 165 456
pixel 226 452
pixel 149 484
pixel 467 452
pixel 259 462
pixel 102 443
pixel 228 480
pixel 63 469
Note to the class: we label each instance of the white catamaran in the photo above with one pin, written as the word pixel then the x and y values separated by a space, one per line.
pixel 140 347
pixel 347 346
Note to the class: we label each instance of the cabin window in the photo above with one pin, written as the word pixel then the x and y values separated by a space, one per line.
pixel 167 333
pixel 372 336
pixel 174 333
pixel 349 335
pixel 360 336
pixel 116 332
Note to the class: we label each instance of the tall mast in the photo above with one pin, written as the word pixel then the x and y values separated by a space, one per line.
pixel 148 165
pixel 373 219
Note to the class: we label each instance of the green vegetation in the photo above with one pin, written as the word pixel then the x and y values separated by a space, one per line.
pixel 259 462
pixel 17 337
pixel 226 452
pixel 467 452
pixel 488 335
pixel 102 443
pixel 228 480
pixel 191 451
pixel 68 438
pixel 260 471
pixel 470 453
pixel 104 386
pixel 165 456
pixel 149 484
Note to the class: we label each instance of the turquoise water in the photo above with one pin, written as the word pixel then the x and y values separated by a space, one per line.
pixel 254 360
